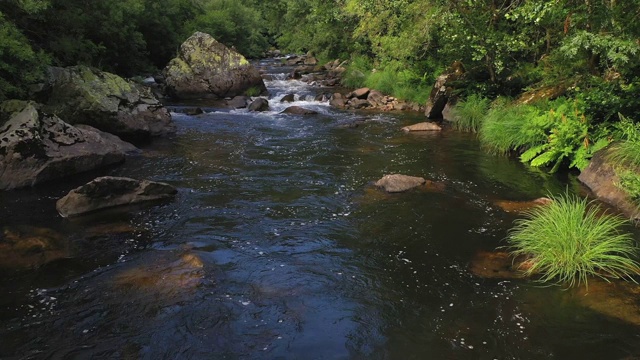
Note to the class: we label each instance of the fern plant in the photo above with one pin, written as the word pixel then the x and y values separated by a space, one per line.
pixel 569 140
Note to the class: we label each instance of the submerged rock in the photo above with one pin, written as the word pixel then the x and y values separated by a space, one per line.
pixel 423 126
pixel 81 95
pixel 106 192
pixel 496 265
pixel 36 147
pixel 399 183
pixel 166 276
pixel 28 247
pixel 519 206
pixel 206 68
pixel 617 299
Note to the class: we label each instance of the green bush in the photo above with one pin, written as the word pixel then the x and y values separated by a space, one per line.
pixel 469 113
pixel 555 133
pixel 568 240
pixel 626 152
pixel 508 128
pixel 357 71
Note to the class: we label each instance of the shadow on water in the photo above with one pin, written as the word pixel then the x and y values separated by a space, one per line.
pixel 279 247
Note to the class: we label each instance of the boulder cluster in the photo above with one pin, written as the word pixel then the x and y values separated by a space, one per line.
pixel 82 119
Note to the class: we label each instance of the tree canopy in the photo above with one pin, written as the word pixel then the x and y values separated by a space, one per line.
pixel 507 46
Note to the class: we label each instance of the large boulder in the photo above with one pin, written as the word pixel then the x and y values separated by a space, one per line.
pixel 206 68
pixel 108 191
pixel 443 90
pixel 82 95
pixel 36 147
pixel 601 177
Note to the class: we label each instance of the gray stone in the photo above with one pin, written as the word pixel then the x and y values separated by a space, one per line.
pixel 259 104
pixel 36 147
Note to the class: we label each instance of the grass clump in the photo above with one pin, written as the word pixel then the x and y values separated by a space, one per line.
pixel 627 150
pixel 392 79
pixel 569 240
pixel 469 113
pixel 507 128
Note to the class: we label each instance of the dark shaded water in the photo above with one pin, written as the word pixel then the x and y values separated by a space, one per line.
pixel 278 247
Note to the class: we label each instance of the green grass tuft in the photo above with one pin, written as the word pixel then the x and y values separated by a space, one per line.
pixel 469 113
pixel 569 240
pixel 508 128
pixel 626 152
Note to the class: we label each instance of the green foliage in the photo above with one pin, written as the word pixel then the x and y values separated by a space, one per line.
pixel 469 113
pixel 396 80
pixel 357 71
pixel 569 240
pixel 549 134
pixel 252 91
pixel 626 152
pixel 20 64
pixel 629 182
pixel 509 127
pixel 233 24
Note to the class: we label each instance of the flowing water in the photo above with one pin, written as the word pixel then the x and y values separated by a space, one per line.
pixel 279 247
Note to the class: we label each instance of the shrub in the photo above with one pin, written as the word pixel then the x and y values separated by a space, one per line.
pixel 569 240
pixel 508 128
pixel 469 113
pixel 627 150
pixel 357 72
pixel 548 134
pixel 625 156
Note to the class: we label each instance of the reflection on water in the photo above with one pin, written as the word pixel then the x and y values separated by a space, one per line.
pixel 279 247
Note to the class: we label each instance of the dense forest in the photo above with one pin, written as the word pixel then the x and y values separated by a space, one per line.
pixel 587 50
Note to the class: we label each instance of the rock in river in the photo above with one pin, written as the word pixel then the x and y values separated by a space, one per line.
pixel 105 192
pixel 206 68
pixel 36 147
pixel 423 126
pixel 81 95
pixel 297 110
pixel 399 183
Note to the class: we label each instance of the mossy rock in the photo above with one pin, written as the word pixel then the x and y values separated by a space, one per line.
pixel 83 95
pixel 206 68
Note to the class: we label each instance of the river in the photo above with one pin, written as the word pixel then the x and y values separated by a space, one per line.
pixel 279 247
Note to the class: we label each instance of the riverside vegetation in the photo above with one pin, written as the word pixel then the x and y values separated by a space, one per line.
pixel 586 50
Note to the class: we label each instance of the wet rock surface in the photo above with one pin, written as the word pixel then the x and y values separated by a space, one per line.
pixel 106 192
pixel 298 110
pixel 520 206
pixel 600 176
pixel 29 246
pixel 36 147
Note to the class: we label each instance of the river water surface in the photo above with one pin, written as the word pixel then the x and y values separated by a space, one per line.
pixel 279 247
